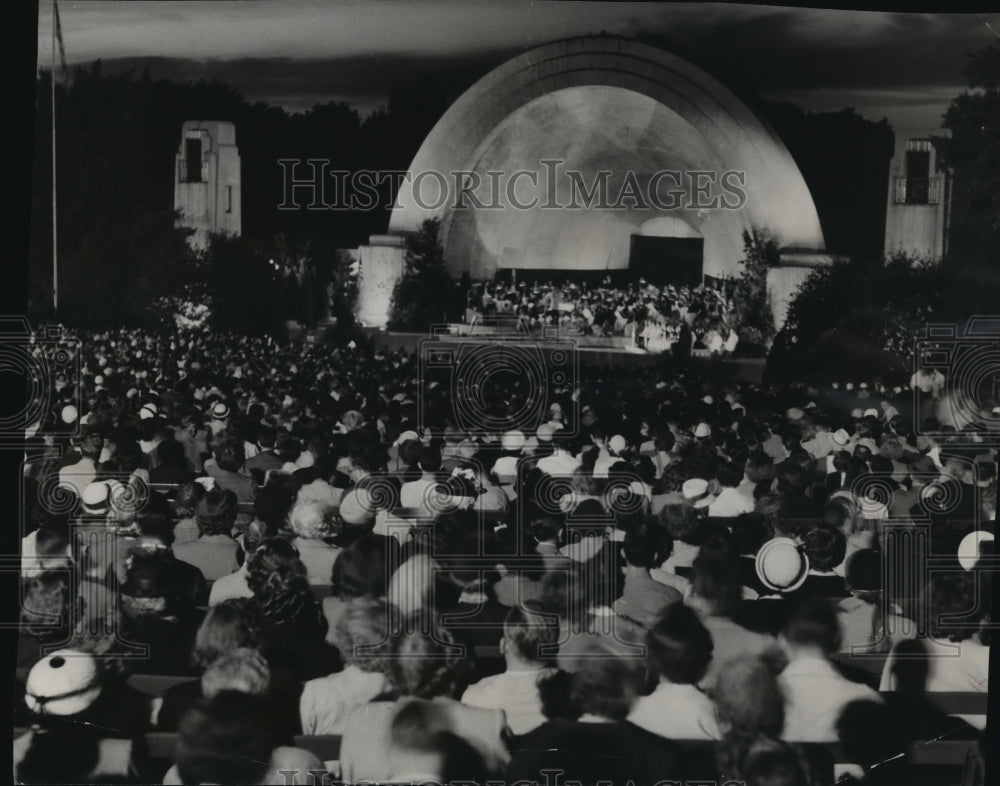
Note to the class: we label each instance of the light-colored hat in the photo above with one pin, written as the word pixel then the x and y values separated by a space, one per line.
pixel 407 436
pixel 702 430
pixel 968 549
pixel 545 432
pixel 64 683
pixel 148 411
pixel 617 444
pixel 841 438
pixel 857 413
pixel 69 414
pixel 220 411
pixel 357 508
pixel 781 565
pixel 695 491
pixel 95 498
pixel 794 413
pixel 870 413
pixel 868 442
pixel 512 441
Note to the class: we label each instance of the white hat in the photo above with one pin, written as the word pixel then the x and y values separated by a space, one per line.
pixel 357 508
pixel 794 414
pixel 841 438
pixel 872 412
pixel 617 444
pixel 863 386
pixel 407 436
pixel 69 414
pixel 695 491
pixel 64 683
pixel 98 380
pixel 850 386
pixel 512 441
pixel 857 414
pixel 148 411
pixel 545 432
pixel 220 411
pixel 95 498
pixel 708 400
pixel 781 565
pixel 702 430
pixel 868 442
pixel 968 549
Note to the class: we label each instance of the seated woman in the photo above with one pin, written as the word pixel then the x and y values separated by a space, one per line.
pixel 47 616
pixel 222 740
pixel 227 627
pixel 214 552
pixel 73 689
pixel 423 664
pixel 587 737
pixel 294 630
pixel 957 650
pixel 153 614
pixel 358 633
pixel 311 522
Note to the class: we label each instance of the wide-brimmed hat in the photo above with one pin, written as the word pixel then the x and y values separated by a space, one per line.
pixel 781 565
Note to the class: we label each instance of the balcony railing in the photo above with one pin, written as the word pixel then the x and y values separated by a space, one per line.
pixel 182 172
pixel 911 191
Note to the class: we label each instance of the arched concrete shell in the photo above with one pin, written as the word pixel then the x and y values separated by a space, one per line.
pixel 602 104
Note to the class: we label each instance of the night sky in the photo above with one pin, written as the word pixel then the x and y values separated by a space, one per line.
pixel 296 53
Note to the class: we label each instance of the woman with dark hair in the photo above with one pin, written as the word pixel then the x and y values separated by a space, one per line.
pixel 423 664
pixel 155 614
pixel 48 616
pixel 957 659
pixel 224 740
pixel 826 548
pixel 215 553
pixel 294 629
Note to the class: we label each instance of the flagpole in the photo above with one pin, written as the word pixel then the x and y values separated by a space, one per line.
pixel 55 249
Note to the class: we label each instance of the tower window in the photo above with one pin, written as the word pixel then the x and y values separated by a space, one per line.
pixel 229 199
pixel 192 157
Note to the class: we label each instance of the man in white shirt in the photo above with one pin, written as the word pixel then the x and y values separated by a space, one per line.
pixel 81 474
pixel 561 462
pixel 525 640
pixel 679 647
pixel 730 502
pixel 420 493
pixel 815 692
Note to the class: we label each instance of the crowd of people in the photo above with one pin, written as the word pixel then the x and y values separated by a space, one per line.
pixel 659 583
pixel 655 317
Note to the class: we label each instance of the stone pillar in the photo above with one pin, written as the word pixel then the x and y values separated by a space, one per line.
pixel 381 265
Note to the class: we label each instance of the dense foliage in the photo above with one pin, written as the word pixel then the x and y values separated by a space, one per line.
pixel 422 296
pixel 754 321
pixel 861 318
pixel 972 153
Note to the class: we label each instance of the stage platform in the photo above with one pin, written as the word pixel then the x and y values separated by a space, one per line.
pixel 600 351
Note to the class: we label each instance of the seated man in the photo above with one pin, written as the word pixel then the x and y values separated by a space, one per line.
pixel 815 692
pixel 678 649
pixel 516 690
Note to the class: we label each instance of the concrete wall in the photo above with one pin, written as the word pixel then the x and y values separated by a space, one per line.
pixel 214 203
pixel 602 103
pixel 381 266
